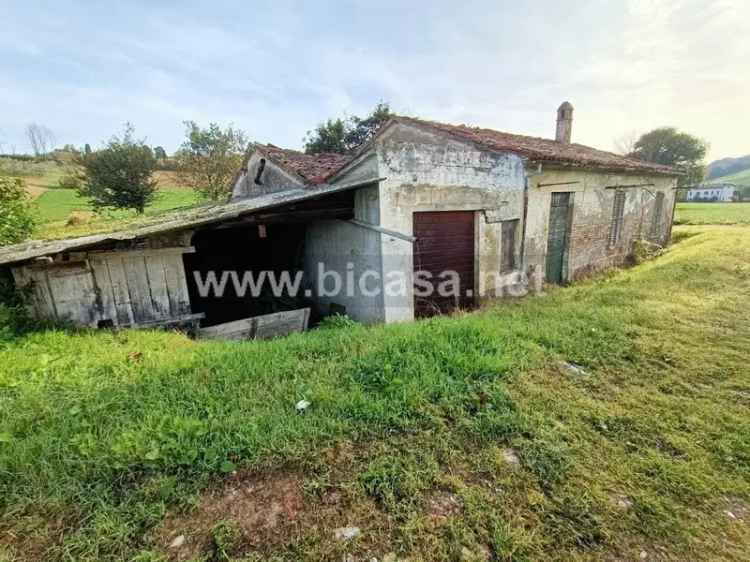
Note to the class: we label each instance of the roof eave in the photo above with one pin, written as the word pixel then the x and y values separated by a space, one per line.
pixel 174 221
pixel 605 168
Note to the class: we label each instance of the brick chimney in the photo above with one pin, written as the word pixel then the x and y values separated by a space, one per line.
pixel 564 122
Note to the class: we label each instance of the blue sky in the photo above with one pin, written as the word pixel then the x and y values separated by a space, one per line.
pixel 276 69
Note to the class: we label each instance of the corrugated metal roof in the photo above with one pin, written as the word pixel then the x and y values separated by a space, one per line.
pixel 169 222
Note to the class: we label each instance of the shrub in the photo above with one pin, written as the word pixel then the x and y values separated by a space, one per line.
pixel 69 181
pixel 337 321
pixel 643 250
pixel 16 220
pixel 120 175
pixel 209 158
pixel 15 318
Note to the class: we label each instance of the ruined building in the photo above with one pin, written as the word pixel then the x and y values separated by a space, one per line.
pixel 505 213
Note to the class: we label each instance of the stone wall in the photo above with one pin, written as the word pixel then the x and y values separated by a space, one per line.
pixel 427 172
pixel 593 203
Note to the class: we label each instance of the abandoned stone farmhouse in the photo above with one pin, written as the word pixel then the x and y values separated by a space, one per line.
pixel 503 213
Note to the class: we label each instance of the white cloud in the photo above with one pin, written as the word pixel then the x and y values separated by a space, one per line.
pixel 277 70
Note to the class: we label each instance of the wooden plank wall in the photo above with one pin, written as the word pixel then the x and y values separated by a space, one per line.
pixel 116 288
pixel 267 326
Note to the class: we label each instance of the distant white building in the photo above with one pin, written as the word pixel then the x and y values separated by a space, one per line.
pixel 712 192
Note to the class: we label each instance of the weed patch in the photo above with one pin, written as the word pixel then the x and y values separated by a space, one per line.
pixel 453 438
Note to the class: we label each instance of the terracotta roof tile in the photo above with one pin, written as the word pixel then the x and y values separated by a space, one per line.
pixel 312 168
pixel 315 169
pixel 542 150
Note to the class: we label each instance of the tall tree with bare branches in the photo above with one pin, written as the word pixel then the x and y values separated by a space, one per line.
pixel 41 138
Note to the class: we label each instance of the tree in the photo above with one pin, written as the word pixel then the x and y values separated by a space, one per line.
pixel 16 219
pixel 40 138
pixel 209 158
pixel 671 147
pixel 327 137
pixel 364 129
pixel 160 153
pixel 120 175
pixel 87 148
pixel 346 135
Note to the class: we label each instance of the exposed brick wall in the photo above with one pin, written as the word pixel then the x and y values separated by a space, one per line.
pixel 593 204
pixel 589 237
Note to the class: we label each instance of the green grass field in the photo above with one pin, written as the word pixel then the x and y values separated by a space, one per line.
pixel 57 205
pixel 457 438
pixel 54 208
pixel 712 213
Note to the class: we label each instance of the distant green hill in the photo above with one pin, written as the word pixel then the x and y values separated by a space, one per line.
pixel 740 178
pixel 727 166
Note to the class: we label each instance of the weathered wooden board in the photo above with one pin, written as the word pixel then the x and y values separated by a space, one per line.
pixel 34 284
pixel 260 327
pixel 280 324
pixel 118 286
pixel 72 287
pixel 119 289
pixel 138 287
pixel 237 330
pixel 103 283
pixel 157 282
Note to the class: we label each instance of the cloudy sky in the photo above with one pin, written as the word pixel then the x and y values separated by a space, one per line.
pixel 276 69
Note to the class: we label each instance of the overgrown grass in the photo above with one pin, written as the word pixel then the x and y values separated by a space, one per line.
pixel 712 213
pixel 102 434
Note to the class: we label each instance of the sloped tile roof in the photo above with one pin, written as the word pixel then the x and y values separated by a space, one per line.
pixel 312 168
pixel 542 150
pixel 315 169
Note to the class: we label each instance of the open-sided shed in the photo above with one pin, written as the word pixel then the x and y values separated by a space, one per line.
pixel 142 276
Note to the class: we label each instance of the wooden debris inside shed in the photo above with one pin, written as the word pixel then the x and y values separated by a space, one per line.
pixel 267 326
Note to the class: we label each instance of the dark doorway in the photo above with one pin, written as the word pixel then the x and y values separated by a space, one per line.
pixel 559 237
pixel 270 241
pixel 251 249
pixel 444 243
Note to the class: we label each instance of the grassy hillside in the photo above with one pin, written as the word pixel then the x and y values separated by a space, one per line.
pixel 712 213
pixel 462 438
pixel 62 213
pixel 55 207
pixel 727 166
pixel 740 178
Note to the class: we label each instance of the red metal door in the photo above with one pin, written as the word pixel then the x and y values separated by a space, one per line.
pixel 443 261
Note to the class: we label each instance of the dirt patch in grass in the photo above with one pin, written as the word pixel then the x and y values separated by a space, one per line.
pixel 737 509
pixel 31 538
pixel 265 509
pixel 271 512
pixel 35 191
pixel 442 505
pixel 170 179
